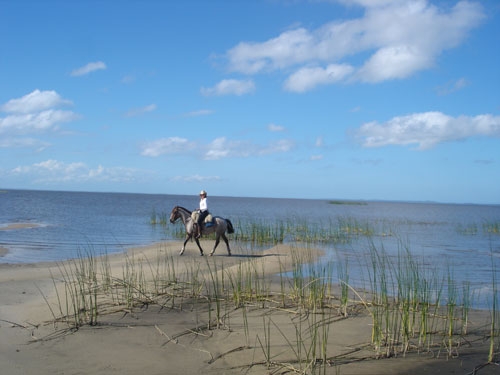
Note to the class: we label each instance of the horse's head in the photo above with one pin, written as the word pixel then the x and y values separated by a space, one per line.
pixel 174 215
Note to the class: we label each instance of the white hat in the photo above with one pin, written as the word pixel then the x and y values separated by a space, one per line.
pixel 203 192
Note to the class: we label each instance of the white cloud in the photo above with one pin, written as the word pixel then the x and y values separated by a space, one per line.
pixel 308 78
pixel 229 87
pixel 195 178
pixel 452 86
pixel 200 112
pixel 219 148
pixel 283 145
pixel 35 122
pixel 35 101
pixel 54 171
pixel 394 62
pixel 222 148
pixel 140 111
pixel 33 143
pixel 316 157
pixel 172 145
pixel 427 129
pixel 35 112
pixel 289 48
pixel 128 79
pixel 393 39
pixel 89 68
pixel 275 128
pixel 367 3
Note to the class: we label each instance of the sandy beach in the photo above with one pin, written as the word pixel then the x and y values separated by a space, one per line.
pixel 176 333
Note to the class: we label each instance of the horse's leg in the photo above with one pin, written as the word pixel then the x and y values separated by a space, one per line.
pixel 227 244
pixel 199 246
pixel 217 240
pixel 188 236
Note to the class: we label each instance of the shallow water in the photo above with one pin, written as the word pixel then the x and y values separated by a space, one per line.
pixel 460 238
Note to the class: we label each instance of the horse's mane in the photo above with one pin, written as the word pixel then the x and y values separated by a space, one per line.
pixel 184 209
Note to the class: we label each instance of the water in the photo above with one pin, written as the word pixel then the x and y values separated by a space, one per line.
pixel 444 236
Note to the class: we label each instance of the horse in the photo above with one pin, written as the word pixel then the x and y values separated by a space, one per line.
pixel 219 227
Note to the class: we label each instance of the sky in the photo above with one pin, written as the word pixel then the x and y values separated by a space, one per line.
pixel 335 99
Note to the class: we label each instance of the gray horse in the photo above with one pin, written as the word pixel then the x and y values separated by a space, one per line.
pixel 219 227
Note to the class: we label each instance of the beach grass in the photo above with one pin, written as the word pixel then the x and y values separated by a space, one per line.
pixel 413 308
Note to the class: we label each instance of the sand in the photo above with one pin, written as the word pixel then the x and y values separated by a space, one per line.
pixel 173 337
pixel 12 226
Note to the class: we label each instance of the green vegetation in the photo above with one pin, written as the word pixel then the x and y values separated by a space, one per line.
pixel 492 227
pixel 413 306
pixel 474 229
pixel 158 218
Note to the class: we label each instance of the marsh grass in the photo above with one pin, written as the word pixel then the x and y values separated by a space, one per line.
pixel 260 232
pixel 412 307
pixel 490 227
pixel 495 316
pixel 158 218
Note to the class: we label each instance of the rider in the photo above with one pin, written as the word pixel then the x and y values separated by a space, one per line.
pixel 203 211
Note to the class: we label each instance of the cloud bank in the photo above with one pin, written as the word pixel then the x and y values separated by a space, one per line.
pixel 219 148
pixel 393 40
pixel 53 172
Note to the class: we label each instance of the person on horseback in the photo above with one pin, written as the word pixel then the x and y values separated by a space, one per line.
pixel 203 211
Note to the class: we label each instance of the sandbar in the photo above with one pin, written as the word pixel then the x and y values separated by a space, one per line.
pixel 180 335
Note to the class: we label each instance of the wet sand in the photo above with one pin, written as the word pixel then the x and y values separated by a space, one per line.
pixel 181 336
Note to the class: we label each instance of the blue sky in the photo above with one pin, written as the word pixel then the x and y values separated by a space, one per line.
pixel 339 99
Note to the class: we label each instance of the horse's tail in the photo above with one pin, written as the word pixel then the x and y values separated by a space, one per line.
pixel 230 228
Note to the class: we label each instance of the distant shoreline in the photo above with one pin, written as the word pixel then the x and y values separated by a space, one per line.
pixel 326 199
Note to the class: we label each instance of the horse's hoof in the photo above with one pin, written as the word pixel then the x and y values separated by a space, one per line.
pixel 201 254
pixel 211 254
pixel 181 252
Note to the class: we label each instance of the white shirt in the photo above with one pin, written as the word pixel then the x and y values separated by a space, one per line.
pixel 203 204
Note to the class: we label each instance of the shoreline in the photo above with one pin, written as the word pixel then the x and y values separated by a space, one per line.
pixel 170 333
pixel 15 226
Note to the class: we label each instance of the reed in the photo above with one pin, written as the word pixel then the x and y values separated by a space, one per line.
pixel 468 230
pixel 495 315
pixel 214 292
pixel 266 345
pixel 407 306
pixel 343 277
pixel 260 232
pixel 153 218
pixel 158 218
pixel 492 227
pixel 411 305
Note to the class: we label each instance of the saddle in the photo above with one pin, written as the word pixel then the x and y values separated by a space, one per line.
pixel 208 219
